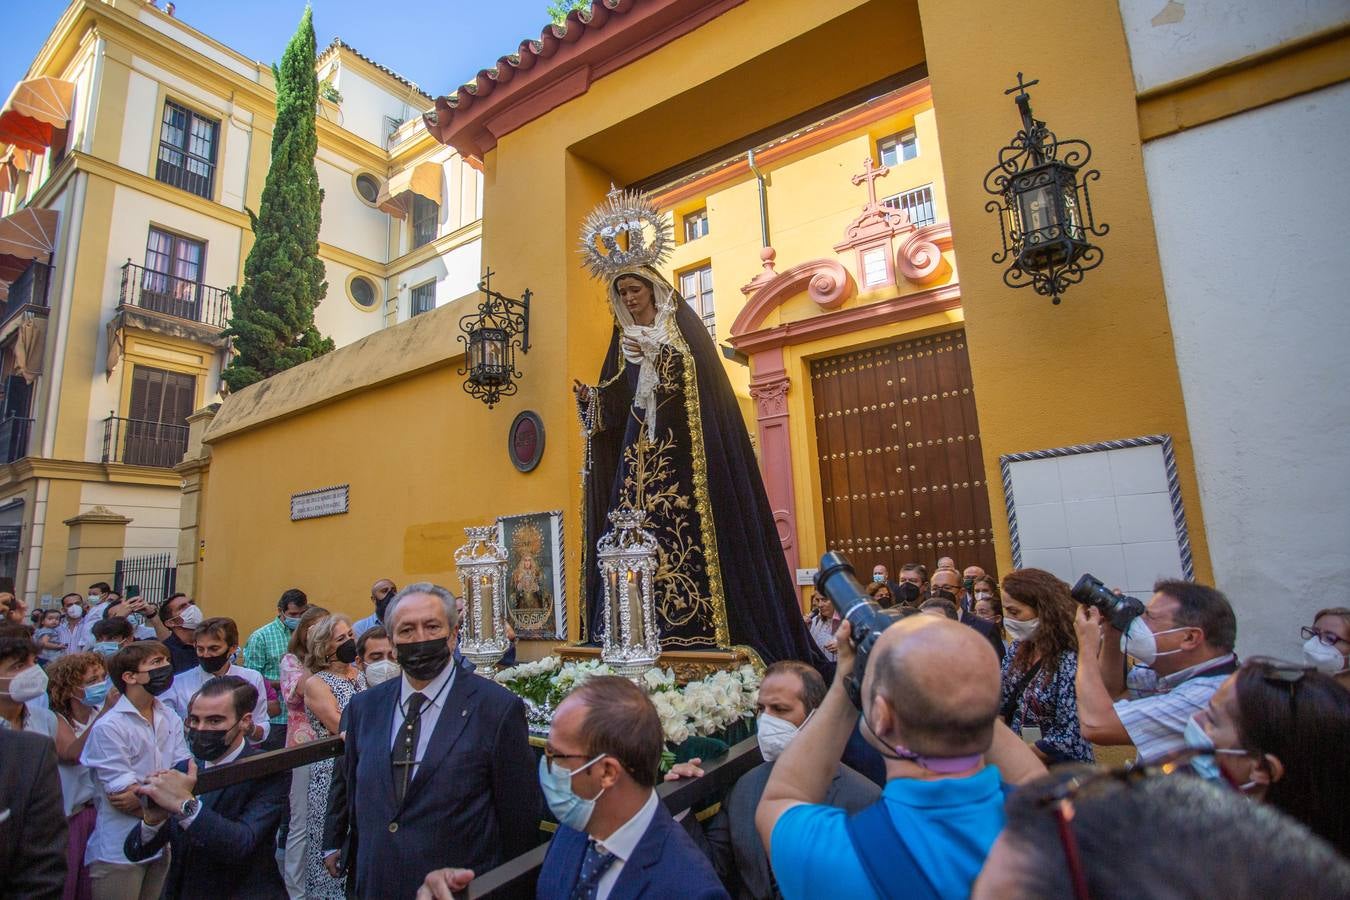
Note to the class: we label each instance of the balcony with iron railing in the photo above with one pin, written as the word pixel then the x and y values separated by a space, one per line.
pixel 172 306
pixel 28 292
pixel 135 442
pixel 15 433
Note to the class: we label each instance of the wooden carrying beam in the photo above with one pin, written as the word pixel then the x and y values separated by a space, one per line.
pixel 269 763
pixel 517 877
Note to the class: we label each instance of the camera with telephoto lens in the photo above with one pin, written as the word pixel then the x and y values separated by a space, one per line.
pixel 1118 609
pixel 836 579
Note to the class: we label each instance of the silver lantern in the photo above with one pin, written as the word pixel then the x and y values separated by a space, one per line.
pixel 482 575
pixel 627 557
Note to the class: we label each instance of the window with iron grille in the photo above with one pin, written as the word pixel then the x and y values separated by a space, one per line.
pixel 918 203
pixel 423 298
pixel 898 148
pixel 172 280
pixel 187 150
pixel 696 225
pixel 424 215
pixel 696 286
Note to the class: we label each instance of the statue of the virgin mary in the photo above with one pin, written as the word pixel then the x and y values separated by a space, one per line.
pixel 665 435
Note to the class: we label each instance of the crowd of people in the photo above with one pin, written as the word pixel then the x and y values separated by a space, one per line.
pixel 959 763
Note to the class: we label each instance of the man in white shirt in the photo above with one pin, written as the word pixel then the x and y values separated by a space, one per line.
pixel 136 738
pixel 73 631
pixel 223 842
pixel 23 689
pixel 217 643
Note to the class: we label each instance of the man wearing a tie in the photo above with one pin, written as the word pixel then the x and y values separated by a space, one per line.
pixel 615 840
pixel 438 769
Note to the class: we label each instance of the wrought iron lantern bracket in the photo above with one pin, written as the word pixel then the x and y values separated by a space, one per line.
pixel 491 336
pixel 1044 208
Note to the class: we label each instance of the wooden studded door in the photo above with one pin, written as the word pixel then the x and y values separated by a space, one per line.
pixel 898 445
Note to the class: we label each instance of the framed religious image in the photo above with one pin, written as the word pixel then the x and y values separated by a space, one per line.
pixel 535 587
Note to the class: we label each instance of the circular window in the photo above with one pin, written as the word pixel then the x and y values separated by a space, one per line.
pixel 363 292
pixel 368 186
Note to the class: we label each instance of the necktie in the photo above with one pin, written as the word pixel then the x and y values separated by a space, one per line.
pixel 404 755
pixel 595 864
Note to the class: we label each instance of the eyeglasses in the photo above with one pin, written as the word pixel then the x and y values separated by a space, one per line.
pixel 1060 800
pixel 550 756
pixel 1330 638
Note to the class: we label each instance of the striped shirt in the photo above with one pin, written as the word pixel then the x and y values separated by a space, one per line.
pixel 1158 708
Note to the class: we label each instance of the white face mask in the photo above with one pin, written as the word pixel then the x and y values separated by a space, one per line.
pixel 29 684
pixel 1325 659
pixel 94 598
pixel 983 595
pixel 75 611
pixel 1141 642
pixel 381 671
pixel 191 616
pixel 1020 631
pixel 774 736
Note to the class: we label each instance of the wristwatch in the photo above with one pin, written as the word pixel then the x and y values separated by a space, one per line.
pixel 189 807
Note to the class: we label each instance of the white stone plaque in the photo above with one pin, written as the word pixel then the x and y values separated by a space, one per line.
pixel 806 577
pixel 330 501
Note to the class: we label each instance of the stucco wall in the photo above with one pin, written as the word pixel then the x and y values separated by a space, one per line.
pixel 1253 245
pixel 1170 39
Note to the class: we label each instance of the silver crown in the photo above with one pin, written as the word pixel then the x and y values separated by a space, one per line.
pixel 628 216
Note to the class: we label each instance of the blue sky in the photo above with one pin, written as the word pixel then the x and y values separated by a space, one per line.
pixel 439 44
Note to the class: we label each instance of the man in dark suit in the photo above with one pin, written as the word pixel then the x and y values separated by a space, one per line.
pixel 222 841
pixel 438 769
pixel 32 822
pixel 947 586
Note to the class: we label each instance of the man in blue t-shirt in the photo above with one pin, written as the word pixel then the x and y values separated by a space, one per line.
pixel 930 706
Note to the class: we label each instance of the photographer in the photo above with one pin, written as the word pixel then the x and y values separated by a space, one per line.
pixel 930 694
pixel 1183 648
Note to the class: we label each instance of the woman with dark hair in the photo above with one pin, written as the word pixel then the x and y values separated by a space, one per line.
pixel 1039 701
pixel 1281 733
pixel 988 606
pixel 881 595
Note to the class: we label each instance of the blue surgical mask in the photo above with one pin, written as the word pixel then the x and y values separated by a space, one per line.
pixel 107 648
pixel 878 577
pixel 291 622
pixel 1207 765
pixel 95 694
pixel 563 802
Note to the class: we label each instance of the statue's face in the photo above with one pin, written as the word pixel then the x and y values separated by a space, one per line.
pixel 638 299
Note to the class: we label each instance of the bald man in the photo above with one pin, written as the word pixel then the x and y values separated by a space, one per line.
pixel 381 592
pixel 930 706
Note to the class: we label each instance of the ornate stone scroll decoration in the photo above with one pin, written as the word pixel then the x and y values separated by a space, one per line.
pixel 871 234
pixel 920 257
pixel 826 281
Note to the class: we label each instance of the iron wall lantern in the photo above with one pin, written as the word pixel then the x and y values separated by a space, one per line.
pixel 1045 214
pixel 491 337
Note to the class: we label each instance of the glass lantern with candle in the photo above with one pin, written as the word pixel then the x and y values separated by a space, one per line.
pixel 627 556
pixel 481 564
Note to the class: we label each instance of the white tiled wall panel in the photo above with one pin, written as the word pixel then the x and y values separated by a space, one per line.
pixel 1108 513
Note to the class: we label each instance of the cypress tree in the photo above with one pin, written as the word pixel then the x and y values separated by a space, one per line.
pixel 272 325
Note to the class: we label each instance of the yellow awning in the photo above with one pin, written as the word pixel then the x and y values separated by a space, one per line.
pixel 27 235
pixel 424 179
pixel 34 110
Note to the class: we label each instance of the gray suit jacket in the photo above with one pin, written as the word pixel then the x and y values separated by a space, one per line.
pixel 738 854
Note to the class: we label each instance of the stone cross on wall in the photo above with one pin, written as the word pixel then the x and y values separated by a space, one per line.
pixel 870 175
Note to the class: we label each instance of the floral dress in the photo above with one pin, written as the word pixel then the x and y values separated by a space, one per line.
pixel 298 729
pixel 319 885
pixel 1048 703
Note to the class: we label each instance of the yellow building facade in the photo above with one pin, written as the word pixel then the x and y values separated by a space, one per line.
pixel 1080 406
pixel 133 150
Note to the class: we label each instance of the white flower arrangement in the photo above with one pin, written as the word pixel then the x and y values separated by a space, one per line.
pixel 702 707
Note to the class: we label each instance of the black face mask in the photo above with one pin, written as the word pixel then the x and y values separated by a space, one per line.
pixel 207 744
pixel 161 679
pixel 214 665
pixel 941 594
pixel 382 605
pixel 346 651
pixel 908 593
pixel 423 660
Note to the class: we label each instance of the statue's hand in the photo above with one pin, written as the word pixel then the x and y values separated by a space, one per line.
pixel 582 391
